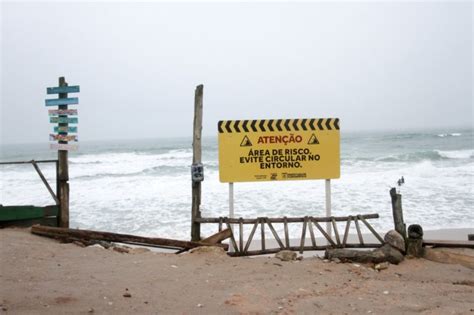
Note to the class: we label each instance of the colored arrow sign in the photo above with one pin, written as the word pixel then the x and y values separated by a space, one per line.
pixel 63 120
pixel 63 147
pixel 63 89
pixel 54 137
pixel 65 129
pixel 54 112
pixel 62 101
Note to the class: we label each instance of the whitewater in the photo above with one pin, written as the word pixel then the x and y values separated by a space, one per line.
pixel 144 186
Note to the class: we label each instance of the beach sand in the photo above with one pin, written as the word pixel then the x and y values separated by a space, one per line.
pixel 42 276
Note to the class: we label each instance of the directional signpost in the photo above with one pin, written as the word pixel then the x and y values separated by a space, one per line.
pixel 64 133
pixel 279 150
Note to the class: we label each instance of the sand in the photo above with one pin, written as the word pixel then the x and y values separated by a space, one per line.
pixel 41 276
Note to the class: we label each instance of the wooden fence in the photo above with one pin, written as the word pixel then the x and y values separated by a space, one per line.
pixel 309 224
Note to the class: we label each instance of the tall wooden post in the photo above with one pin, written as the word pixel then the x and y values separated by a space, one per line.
pixel 63 170
pixel 197 152
pixel 397 212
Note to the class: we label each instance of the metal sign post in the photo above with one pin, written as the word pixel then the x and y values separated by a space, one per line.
pixel 231 210
pixel 328 205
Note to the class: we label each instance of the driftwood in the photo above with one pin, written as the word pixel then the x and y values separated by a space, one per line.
pixel 458 256
pixel 382 254
pixel 218 237
pixel 452 244
pixel 67 234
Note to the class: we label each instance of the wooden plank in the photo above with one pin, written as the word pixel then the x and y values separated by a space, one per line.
pixel 63 89
pixel 69 129
pixel 275 234
pixel 197 153
pixel 289 220
pixel 359 234
pixel 63 147
pixel 249 241
pixel 311 233
pixel 54 137
pixel 65 233
pixel 346 232
pixel 381 240
pixel 62 101
pixel 45 182
pixel 445 243
pixel 218 237
pixel 55 112
pixel 63 120
pixel 15 213
pixel 326 235
pixel 303 235
pixel 241 236
pixel 336 232
pixel 232 238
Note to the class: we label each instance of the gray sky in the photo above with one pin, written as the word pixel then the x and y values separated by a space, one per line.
pixel 373 65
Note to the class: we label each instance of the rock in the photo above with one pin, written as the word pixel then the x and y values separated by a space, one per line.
pixel 127 295
pixel 394 239
pixel 336 260
pixel 391 254
pixel 208 250
pixel 415 231
pixel 299 258
pixel 121 249
pixel 138 250
pixel 382 266
pixel 286 255
pixel 96 246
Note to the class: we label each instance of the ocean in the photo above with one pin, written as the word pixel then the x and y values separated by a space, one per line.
pixel 144 186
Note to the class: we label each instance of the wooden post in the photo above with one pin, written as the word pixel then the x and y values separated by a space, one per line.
pixel 197 152
pixel 63 171
pixel 397 212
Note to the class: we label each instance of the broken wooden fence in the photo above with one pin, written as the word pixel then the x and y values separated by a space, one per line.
pixel 27 215
pixel 241 247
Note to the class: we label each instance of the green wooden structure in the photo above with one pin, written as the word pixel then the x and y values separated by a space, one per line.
pixel 27 215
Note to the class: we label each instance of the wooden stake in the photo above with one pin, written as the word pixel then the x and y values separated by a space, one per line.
pixel 197 152
pixel 397 212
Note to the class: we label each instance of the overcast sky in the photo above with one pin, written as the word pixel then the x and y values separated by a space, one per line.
pixel 389 65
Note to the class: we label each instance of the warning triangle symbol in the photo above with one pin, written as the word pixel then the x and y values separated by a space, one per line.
pixel 313 139
pixel 246 142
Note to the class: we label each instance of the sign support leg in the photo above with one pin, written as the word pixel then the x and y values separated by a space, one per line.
pixel 231 209
pixel 328 205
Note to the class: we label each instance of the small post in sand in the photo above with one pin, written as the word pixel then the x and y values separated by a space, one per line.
pixel 197 169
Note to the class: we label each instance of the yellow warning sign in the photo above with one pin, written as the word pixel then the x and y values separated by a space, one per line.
pixel 279 149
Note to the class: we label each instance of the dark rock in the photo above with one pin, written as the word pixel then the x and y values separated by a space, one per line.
pixel 415 231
